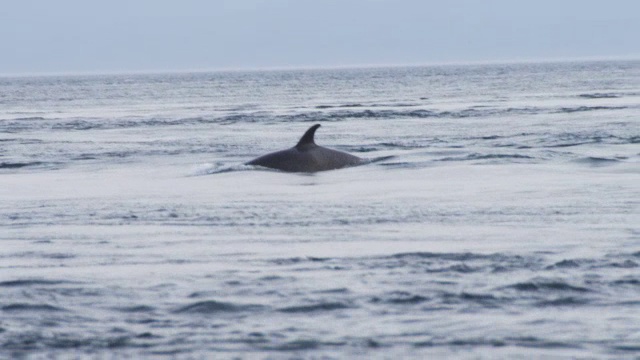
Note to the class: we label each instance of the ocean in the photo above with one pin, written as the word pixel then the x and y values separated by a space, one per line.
pixel 499 216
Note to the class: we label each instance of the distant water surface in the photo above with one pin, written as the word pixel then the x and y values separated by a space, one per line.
pixel 501 220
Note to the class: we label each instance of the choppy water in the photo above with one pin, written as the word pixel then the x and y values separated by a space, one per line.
pixel 504 220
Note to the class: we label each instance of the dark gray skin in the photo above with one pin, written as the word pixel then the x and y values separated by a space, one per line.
pixel 306 156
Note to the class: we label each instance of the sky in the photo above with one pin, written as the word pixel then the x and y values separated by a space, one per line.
pixel 80 36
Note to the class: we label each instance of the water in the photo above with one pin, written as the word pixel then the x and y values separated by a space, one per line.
pixel 503 220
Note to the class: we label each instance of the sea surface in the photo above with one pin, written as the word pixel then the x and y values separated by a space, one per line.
pixel 499 216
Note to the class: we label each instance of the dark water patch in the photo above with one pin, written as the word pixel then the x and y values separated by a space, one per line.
pixel 18 165
pixel 76 292
pixel 563 301
pixel 361 149
pixel 534 342
pixel 323 306
pixel 32 282
pixel 486 300
pixel 214 307
pixel 589 108
pixel 31 308
pixel 298 260
pixel 456 268
pixel 28 118
pixel 529 342
pixel 597 161
pixel 83 157
pixel 490 137
pixel 333 291
pixel 200 294
pixel 626 348
pixel 380 159
pixel 136 309
pixel 399 298
pixel 297 345
pixel 627 264
pixel 374 105
pixel 568 144
pixel 272 278
pixel 220 168
pixel 147 335
pixel 317 259
pixel 77 125
pixel 547 285
pixel 627 281
pixel 477 156
pixel 476 342
pixel 599 96
pixel 466 256
pixel 66 341
pixel 395 145
pixel 462 263
pixel 58 256
pixel 582 138
pixel 23 141
pixel 400 165
pixel 339 106
pixel 564 264
pixel 471 342
pixel 326 113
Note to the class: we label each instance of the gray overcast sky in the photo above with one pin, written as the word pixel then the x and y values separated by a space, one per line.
pixel 149 35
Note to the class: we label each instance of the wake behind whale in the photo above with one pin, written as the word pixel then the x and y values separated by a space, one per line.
pixel 306 156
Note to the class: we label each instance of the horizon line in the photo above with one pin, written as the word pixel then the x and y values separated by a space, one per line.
pixel 322 67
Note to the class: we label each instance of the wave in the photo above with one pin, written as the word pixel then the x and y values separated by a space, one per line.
pixel 31 282
pixel 563 301
pixel 589 108
pixel 597 161
pixel 477 156
pixel 547 285
pixel 486 300
pixel 399 298
pixel 50 165
pixel 18 165
pixel 326 113
pixel 19 307
pixel 563 140
pixel 28 118
pixel 212 307
pixel 600 96
pixel 298 345
pixel 466 256
pixel 323 306
pixel 564 264
pixel 339 106
pixel 137 309
pixel 527 342
pixel 357 105
pixel 626 281
pixel 218 168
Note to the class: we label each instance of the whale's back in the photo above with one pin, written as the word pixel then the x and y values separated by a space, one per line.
pixel 315 159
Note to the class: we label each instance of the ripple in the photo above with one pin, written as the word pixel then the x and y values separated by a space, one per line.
pixel 136 309
pixel 325 306
pixel 212 307
pixel 544 285
pixel 19 307
pixel 563 301
pixel 400 298
pixel 31 282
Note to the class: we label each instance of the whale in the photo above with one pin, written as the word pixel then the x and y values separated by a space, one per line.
pixel 307 157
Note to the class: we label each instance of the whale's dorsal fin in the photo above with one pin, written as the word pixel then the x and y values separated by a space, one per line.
pixel 307 139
